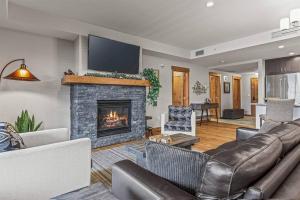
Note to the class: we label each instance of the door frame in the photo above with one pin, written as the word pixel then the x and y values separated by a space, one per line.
pixel 239 78
pixel 220 86
pixel 186 82
pixel 253 78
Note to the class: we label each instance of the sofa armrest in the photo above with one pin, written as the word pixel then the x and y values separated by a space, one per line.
pixel 162 122
pixel 131 182
pixel 193 123
pixel 45 171
pixel 243 133
pixel 38 138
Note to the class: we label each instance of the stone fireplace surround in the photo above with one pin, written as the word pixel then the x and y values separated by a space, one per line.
pixel 84 99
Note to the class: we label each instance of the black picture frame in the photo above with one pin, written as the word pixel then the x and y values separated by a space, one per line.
pixel 226 87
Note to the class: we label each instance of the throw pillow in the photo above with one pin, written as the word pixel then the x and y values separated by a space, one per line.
pixel 4 141
pixel 181 167
pixel 9 139
pixel 268 125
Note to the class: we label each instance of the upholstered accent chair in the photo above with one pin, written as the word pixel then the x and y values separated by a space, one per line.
pixel 278 110
pixel 180 120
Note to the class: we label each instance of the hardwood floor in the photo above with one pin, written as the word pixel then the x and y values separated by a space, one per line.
pixel 212 135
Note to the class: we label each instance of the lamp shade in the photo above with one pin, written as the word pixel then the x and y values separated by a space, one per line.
pixel 22 74
pixel 284 23
pixel 295 15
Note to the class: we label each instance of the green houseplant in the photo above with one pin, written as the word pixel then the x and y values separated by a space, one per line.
pixel 155 86
pixel 25 123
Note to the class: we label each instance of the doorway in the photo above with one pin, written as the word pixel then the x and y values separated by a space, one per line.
pixel 236 92
pixel 254 95
pixel 180 86
pixel 215 90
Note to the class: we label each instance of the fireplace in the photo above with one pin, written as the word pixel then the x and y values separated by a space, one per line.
pixel 114 117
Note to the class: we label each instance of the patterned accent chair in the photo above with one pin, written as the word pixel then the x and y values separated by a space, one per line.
pixel 181 120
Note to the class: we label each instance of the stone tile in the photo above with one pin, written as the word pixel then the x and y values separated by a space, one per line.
pixel 84 111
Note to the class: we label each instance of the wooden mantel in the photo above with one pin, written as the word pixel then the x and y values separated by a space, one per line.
pixel 74 79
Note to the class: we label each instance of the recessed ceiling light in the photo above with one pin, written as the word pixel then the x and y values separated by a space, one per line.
pixel 292 53
pixel 210 4
pixel 281 46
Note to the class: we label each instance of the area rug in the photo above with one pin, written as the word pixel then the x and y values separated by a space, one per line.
pixel 100 188
pixel 246 121
pixel 96 191
pixel 103 161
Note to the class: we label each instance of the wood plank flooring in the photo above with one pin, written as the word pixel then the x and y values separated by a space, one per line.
pixel 212 135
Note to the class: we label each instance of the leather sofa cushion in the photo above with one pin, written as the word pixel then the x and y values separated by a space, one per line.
pixel 289 134
pixel 290 187
pixel 132 182
pixel 266 186
pixel 222 147
pixel 229 172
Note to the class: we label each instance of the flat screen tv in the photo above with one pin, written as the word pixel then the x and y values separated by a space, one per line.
pixel 112 56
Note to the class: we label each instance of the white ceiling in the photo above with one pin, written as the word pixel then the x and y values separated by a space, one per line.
pixel 266 51
pixel 239 68
pixel 183 23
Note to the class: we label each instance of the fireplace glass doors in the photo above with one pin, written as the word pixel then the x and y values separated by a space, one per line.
pixel 114 117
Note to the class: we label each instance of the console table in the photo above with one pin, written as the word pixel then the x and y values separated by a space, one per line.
pixel 205 107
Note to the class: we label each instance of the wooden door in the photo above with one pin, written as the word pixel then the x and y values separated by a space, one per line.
pixel 236 92
pixel 178 82
pixel 215 90
pixel 254 95
pixel 180 86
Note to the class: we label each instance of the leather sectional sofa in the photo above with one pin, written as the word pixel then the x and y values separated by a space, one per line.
pixel 255 166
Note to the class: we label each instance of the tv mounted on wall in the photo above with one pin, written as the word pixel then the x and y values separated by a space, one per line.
pixel 112 56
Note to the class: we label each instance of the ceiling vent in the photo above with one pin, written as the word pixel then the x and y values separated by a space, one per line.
pixel 199 52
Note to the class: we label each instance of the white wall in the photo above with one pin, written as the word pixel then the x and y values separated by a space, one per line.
pixel 261 81
pixel 154 60
pixel 226 98
pixel 165 98
pixel 47 58
pixel 246 91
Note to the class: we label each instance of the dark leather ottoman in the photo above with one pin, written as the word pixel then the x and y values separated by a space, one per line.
pixel 233 113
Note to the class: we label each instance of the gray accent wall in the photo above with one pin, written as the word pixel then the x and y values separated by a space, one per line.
pixel 84 112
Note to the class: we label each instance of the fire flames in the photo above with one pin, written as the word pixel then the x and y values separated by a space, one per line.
pixel 113 116
pixel 113 119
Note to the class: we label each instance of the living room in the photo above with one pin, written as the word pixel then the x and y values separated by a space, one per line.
pixel 112 99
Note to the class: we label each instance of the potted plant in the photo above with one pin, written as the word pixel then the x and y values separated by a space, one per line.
pixel 25 123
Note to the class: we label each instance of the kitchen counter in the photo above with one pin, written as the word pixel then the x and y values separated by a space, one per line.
pixel 261 109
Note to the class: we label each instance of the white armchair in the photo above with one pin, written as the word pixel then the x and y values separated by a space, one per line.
pixel 179 123
pixel 51 165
